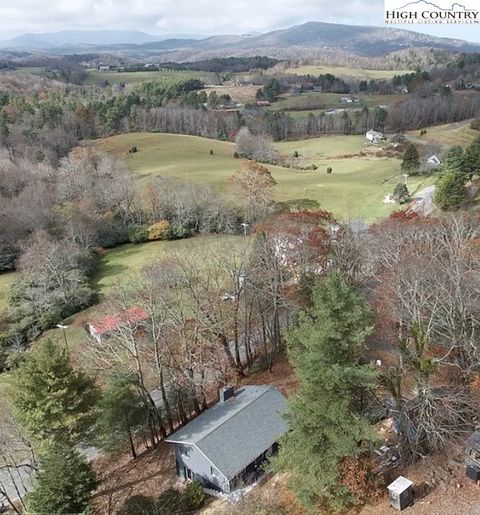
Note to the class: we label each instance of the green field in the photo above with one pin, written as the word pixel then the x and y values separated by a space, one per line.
pixel 122 263
pixel 355 188
pixel 312 102
pixel 357 73
pixel 450 134
pixel 95 77
pixel 6 280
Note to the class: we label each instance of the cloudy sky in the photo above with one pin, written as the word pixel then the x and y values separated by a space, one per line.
pixel 205 17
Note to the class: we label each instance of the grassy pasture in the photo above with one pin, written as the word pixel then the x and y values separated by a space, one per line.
pixel 344 71
pixel 355 188
pixel 304 103
pixel 6 280
pixel 447 135
pixel 95 77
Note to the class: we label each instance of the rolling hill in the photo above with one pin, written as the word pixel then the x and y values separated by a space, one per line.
pixel 308 37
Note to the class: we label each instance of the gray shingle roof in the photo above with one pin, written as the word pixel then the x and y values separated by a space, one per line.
pixel 234 433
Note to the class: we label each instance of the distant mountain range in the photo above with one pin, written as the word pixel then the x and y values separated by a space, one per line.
pixel 308 37
pixel 73 38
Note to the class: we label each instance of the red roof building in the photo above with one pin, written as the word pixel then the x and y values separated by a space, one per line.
pixel 110 323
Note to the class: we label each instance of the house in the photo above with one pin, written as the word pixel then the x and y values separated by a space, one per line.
pixel 434 160
pixel 226 445
pixel 374 136
pixel 104 327
pixel 263 103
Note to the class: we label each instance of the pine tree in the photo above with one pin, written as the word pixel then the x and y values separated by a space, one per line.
pixel 411 158
pixel 472 156
pixel 52 401
pixel 323 416
pixel 121 411
pixel 64 483
pixel 450 191
pixel 454 160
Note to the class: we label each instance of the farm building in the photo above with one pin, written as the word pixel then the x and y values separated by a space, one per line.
pixel 226 446
pixel 374 136
pixel 103 327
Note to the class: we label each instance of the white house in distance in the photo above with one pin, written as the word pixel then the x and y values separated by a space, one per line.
pixel 374 136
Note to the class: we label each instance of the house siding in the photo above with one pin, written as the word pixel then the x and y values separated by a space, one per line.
pixel 189 458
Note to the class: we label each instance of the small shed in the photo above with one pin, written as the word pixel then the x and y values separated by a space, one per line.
pixel 401 493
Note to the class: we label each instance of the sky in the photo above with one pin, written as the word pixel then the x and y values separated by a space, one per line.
pixel 199 17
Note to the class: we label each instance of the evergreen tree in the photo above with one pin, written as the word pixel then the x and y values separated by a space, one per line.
pixel 63 484
pixel 323 416
pixel 52 401
pixel 411 158
pixel 121 411
pixel 450 191
pixel 454 160
pixel 472 156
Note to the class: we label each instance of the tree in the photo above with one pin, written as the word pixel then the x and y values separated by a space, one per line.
pixel 121 411
pixel 411 158
pixel 400 193
pixel 450 191
pixel 255 183
pixel 52 401
pixel 454 160
pixel 64 483
pixel 271 89
pixel 472 156
pixel 324 416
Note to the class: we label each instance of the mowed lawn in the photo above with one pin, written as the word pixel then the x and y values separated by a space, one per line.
pixel 95 77
pixel 357 73
pixel 355 188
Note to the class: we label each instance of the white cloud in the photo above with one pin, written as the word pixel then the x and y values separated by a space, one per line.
pixel 187 16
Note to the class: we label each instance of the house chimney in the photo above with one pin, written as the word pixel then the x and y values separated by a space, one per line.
pixel 226 393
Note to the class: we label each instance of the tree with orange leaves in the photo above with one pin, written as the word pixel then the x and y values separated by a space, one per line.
pixel 254 183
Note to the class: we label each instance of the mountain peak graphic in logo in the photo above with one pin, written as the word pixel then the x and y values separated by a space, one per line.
pixel 455 6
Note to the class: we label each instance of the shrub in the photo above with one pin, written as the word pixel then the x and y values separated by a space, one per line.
pixel 314 166
pixel 139 505
pixel 401 193
pixel 133 150
pixel 475 124
pixel 159 231
pixel 295 154
pixel 137 234
pixel 211 152
pixel 236 155
pixel 329 169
